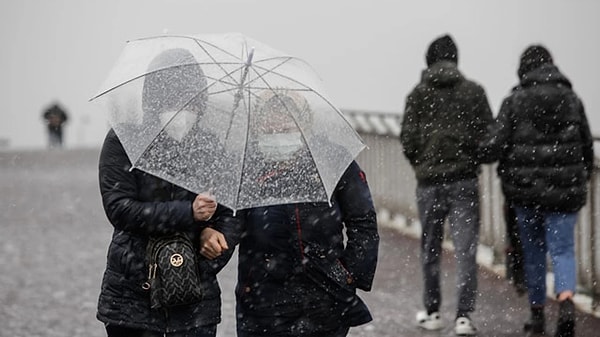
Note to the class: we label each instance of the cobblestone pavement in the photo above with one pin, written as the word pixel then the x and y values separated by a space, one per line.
pixel 54 235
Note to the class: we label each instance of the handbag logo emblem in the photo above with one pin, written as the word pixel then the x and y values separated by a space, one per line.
pixel 176 260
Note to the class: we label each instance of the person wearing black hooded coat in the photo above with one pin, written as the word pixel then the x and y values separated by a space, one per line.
pixel 543 142
pixel 445 119
pixel 140 205
pixel 297 275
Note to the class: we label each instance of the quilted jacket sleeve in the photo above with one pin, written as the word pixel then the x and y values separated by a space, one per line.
pixel 121 198
pixel 231 226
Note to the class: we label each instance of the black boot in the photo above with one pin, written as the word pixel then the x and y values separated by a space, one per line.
pixel 536 321
pixel 566 319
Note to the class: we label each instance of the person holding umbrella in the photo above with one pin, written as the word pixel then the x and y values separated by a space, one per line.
pixel 296 276
pixel 140 205
pixel 214 133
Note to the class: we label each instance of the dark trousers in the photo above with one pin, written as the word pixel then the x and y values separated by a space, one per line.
pixel 515 264
pixel 120 331
pixel 55 139
pixel 457 202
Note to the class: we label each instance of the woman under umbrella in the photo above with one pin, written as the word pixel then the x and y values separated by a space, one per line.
pixel 140 206
pixel 296 275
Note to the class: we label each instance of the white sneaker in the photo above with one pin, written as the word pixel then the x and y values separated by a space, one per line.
pixel 429 322
pixel 464 327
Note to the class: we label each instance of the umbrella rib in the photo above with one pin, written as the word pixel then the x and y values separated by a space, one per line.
pixel 198 42
pixel 269 70
pixel 308 88
pixel 273 76
pixel 294 118
pixel 238 95
pixel 261 77
pixel 220 64
pixel 183 106
pixel 239 181
pixel 195 39
pixel 140 76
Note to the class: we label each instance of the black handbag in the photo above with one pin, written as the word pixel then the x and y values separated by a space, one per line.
pixel 173 273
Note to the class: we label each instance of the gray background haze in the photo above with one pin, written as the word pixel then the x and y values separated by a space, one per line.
pixel 368 53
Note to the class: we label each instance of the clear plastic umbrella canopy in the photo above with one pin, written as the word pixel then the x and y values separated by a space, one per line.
pixel 228 114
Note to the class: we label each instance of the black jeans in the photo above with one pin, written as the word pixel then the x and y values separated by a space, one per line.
pixel 120 331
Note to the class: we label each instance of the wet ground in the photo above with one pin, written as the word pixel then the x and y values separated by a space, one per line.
pixel 53 239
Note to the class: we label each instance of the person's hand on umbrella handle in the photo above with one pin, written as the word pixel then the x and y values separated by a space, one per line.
pixel 204 206
pixel 212 243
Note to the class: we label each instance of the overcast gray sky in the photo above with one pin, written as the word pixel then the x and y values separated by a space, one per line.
pixel 369 53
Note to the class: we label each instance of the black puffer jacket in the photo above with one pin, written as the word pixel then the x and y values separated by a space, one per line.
pixel 139 205
pixel 296 277
pixel 445 118
pixel 543 142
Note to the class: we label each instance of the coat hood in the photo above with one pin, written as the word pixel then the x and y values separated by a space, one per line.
pixel 442 74
pixel 532 58
pixel 442 49
pixel 546 73
pixel 548 106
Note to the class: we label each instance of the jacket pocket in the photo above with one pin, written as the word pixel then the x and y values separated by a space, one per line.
pixel 333 277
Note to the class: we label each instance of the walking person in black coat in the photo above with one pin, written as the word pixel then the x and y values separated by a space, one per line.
pixel 542 140
pixel 141 206
pixel 296 275
pixel 55 117
pixel 445 118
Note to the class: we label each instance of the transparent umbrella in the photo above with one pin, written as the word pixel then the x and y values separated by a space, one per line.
pixel 228 114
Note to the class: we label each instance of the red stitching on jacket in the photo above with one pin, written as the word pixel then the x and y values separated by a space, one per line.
pixel 362 176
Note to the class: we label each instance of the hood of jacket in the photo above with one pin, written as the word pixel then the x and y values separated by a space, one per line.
pixel 442 48
pixel 545 74
pixel 543 80
pixel 442 74
pixel 533 57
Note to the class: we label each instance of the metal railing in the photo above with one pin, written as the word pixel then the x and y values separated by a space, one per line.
pixel 392 183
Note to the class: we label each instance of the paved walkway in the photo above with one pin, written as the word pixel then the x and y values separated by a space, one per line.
pixel 54 235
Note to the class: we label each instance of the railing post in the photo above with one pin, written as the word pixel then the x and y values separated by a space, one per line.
pixel 592 204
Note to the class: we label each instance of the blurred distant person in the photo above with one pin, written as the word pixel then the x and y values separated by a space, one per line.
pixel 446 117
pixel 543 142
pixel 55 117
